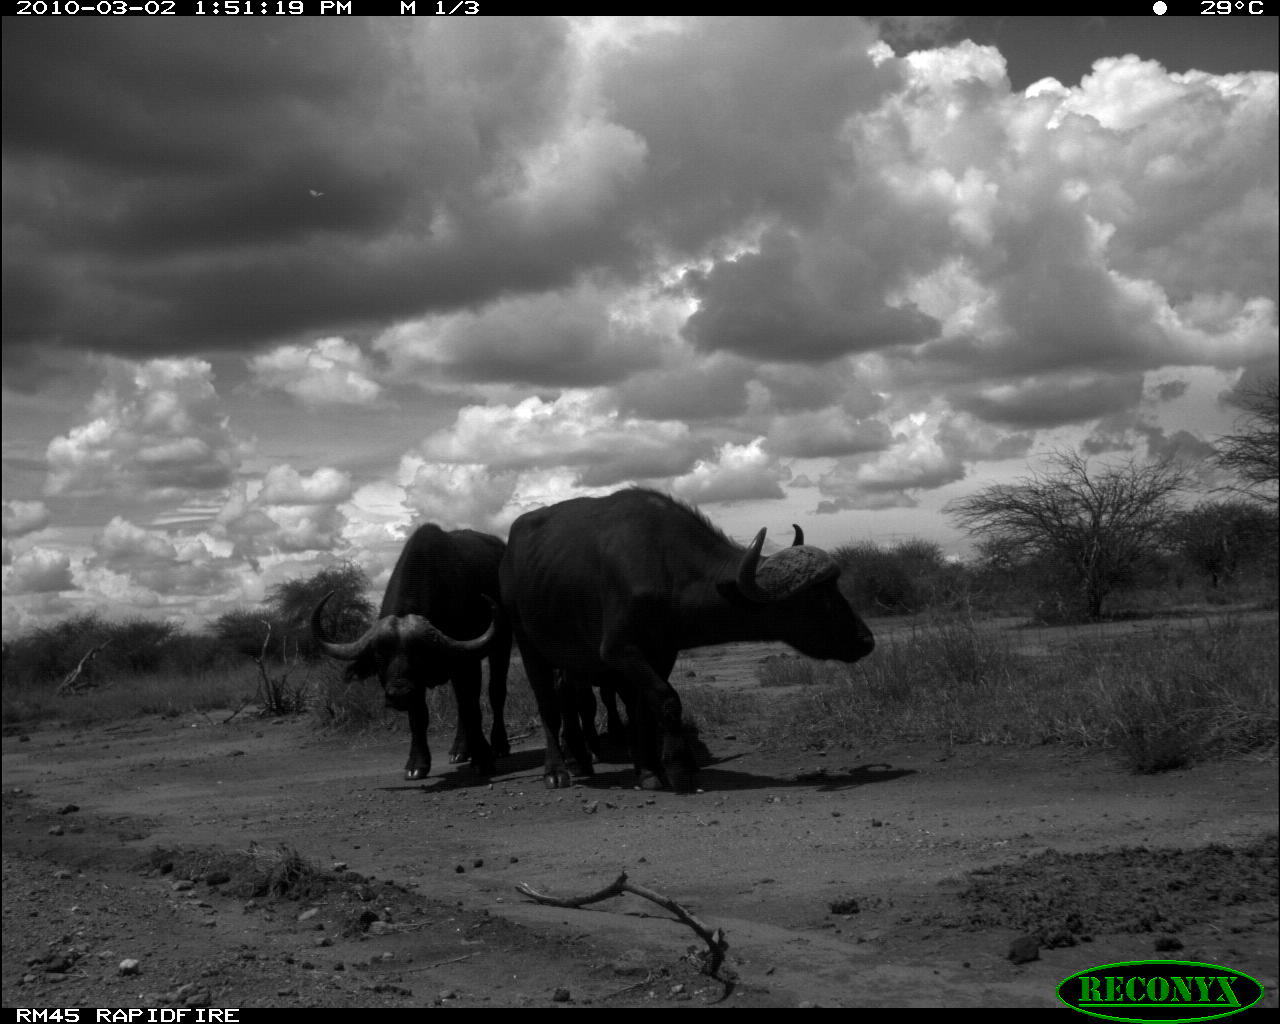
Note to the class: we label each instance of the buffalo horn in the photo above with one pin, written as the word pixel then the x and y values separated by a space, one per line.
pixel 747 585
pixel 343 652
pixel 416 627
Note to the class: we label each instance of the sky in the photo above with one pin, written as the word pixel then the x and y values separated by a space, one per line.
pixel 277 290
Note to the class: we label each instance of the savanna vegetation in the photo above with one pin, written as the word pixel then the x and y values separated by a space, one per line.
pixel 1015 645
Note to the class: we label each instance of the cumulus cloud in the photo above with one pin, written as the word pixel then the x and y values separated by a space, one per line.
pixel 737 472
pixel 456 495
pixel 827 432
pixel 1051 399
pixel 689 387
pixel 22 517
pixel 156 429
pixel 117 589
pixel 574 430
pixel 927 452
pixel 27 612
pixel 783 302
pixel 1080 225
pixel 330 371
pixel 573 177
pixel 285 512
pixel 538 488
pixel 156 563
pixel 122 540
pixel 576 337
pixel 284 485
pixel 39 570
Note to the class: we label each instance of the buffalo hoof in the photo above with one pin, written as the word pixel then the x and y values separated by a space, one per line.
pixel 501 746
pixel 582 771
pixel 459 758
pixel 557 779
pixel 651 781
pixel 681 779
pixel 413 774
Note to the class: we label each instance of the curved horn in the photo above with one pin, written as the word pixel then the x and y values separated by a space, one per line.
pixel 419 628
pixel 799 535
pixel 344 652
pixel 747 585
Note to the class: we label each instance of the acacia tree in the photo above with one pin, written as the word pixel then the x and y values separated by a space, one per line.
pixel 1253 452
pixel 1225 539
pixel 292 601
pixel 1097 526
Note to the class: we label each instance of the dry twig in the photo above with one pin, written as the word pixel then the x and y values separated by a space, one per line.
pixel 717 945
pixel 243 704
pixel 73 680
pixel 438 963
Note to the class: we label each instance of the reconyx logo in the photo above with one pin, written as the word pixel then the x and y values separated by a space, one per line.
pixel 1163 990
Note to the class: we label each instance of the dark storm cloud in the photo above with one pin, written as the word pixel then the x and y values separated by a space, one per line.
pixel 553 338
pixel 691 390
pixel 742 116
pixel 1171 389
pixel 168 188
pixel 1051 400
pixel 767 305
pixel 151 96
pixel 172 188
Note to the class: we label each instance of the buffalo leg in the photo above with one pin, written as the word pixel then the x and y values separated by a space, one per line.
pixel 458 750
pixel 587 716
pixel 466 689
pixel 617 739
pixel 542 680
pixel 572 699
pixel 419 764
pixel 658 717
pixel 499 661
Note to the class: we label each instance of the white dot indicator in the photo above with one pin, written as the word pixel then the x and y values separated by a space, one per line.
pixel 1159 6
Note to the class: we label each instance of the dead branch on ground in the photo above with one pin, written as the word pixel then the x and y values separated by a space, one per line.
pixel 245 702
pixel 717 945
pixel 73 681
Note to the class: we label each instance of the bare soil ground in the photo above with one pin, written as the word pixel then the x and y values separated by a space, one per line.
pixel 839 880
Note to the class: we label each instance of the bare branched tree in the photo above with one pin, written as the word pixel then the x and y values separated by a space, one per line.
pixel 1099 526
pixel 1253 452
pixel 1224 539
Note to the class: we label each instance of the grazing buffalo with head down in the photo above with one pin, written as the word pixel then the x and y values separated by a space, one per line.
pixel 577 701
pixel 439 618
pixel 610 589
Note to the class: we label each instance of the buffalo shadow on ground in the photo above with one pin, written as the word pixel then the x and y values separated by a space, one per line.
pixel 710 778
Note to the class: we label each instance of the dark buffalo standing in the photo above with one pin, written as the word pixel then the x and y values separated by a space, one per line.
pixel 611 589
pixel 444 587
pixel 578 696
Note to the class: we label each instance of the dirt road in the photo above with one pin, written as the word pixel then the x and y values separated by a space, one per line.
pixel 838 879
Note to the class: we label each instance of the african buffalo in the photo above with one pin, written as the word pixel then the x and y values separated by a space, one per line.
pixel 611 589
pixel 577 700
pixel 444 586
